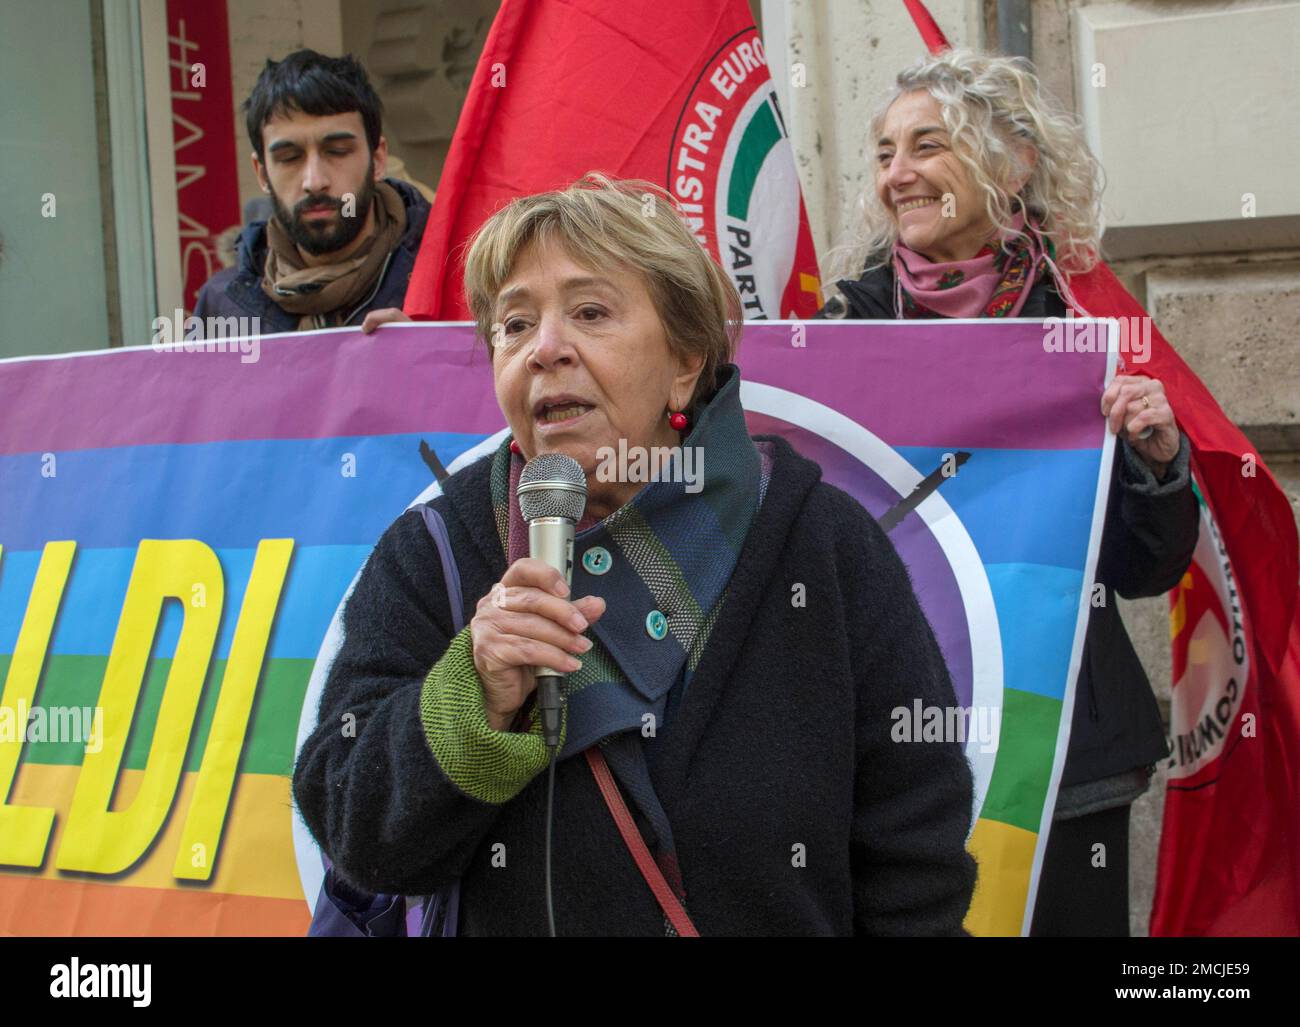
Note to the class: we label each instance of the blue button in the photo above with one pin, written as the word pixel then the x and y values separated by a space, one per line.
pixel 597 560
pixel 656 625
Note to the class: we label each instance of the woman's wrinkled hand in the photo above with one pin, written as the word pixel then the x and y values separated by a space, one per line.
pixel 1133 404
pixel 525 621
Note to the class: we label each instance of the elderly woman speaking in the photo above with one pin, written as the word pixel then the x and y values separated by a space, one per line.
pixel 985 201
pixel 733 645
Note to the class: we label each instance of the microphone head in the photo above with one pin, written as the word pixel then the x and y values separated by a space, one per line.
pixel 552 485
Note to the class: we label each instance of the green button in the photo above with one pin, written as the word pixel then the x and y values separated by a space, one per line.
pixel 597 560
pixel 656 625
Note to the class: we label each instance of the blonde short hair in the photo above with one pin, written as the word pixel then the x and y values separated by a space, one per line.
pixel 992 106
pixel 600 221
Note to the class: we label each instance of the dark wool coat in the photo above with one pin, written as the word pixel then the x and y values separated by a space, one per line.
pixel 1146 546
pixel 793 811
pixel 237 291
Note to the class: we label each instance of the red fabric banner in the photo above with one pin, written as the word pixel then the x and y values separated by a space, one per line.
pixel 207 186
pixel 1229 855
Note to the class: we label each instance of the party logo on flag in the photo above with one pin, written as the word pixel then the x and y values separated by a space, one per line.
pixel 1211 660
pixel 731 171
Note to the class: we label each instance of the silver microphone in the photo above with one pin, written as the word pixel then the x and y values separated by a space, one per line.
pixel 552 497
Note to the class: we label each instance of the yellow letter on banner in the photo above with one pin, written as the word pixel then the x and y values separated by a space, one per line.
pixel 230 722
pixel 104 841
pixel 25 830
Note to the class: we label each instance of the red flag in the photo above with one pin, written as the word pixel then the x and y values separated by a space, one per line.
pixel 1229 861
pixel 676 92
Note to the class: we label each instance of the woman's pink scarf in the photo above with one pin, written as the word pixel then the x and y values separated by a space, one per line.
pixel 995 282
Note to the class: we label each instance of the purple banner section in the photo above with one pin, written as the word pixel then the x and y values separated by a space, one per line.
pixel 1021 396
pixel 128 397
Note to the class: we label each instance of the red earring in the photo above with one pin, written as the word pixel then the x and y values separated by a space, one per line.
pixel 514 447
pixel 678 421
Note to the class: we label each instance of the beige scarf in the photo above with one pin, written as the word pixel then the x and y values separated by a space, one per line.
pixel 324 294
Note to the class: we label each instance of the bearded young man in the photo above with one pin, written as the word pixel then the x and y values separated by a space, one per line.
pixel 341 246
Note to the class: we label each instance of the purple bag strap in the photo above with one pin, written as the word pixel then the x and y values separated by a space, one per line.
pixel 342 913
pixel 420 922
pixel 450 573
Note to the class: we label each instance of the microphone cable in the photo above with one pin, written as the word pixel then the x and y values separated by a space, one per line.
pixel 550 708
pixel 550 808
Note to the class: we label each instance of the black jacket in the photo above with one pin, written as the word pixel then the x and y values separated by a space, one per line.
pixel 237 291
pixel 783 741
pixel 1146 546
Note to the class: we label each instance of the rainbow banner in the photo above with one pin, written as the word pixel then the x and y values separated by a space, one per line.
pixel 180 527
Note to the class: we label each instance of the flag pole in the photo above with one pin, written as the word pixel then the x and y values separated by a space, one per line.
pixel 933 36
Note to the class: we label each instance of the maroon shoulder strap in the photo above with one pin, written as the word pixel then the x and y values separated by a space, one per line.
pixel 636 845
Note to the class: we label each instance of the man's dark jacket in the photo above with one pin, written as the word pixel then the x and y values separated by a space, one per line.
pixel 793 811
pixel 1146 546
pixel 237 291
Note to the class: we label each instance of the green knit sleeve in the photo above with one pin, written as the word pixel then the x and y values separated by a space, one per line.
pixel 488 765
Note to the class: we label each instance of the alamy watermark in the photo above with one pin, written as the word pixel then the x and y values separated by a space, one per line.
pixel 75 979
pixel 80 725
pixel 921 723
pixel 1086 335
pixel 181 334
pixel 652 463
